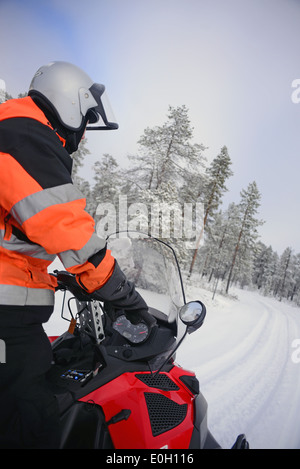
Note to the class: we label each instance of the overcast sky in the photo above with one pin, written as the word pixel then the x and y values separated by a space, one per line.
pixel 231 62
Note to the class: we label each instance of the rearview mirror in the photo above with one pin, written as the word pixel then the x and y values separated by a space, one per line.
pixel 192 314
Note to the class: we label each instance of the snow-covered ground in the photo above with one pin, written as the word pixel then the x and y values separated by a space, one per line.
pixel 242 357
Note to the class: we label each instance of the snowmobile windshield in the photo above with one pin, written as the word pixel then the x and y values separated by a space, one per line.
pixel 101 117
pixel 152 266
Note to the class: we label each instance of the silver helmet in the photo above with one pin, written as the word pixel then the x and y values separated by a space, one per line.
pixel 73 96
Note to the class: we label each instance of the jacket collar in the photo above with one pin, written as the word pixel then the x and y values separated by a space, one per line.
pixel 25 107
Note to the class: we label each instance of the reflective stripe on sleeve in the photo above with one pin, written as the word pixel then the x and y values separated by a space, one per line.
pixel 23 296
pixel 72 258
pixel 38 201
pixel 21 247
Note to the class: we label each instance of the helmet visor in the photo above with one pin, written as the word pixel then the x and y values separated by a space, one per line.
pixel 101 116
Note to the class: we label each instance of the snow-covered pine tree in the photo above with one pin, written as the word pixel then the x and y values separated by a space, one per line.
pixel 209 254
pixel 2 91
pixel 107 180
pixel 214 187
pixel 294 294
pixel 247 232
pixel 224 237
pixel 271 274
pixel 285 274
pixel 167 173
pixel 105 194
pixel 263 259
pixel 281 277
pixel 78 157
pixel 85 188
pixel 167 153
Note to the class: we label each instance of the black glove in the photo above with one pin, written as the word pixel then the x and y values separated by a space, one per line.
pixel 120 295
pixel 134 316
pixel 67 281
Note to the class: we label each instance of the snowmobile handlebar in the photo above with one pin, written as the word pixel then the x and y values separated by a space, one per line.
pixel 67 281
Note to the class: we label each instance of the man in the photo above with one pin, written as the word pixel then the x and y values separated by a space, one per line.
pixel 42 216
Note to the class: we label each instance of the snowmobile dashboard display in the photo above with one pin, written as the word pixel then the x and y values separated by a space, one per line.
pixel 78 375
pixel 134 333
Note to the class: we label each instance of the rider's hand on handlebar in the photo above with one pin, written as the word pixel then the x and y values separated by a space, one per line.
pixel 137 316
pixel 134 317
pixel 119 294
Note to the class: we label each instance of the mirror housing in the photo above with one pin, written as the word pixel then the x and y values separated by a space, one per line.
pixel 192 314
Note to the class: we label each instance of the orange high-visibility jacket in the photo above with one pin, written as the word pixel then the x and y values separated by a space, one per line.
pixel 41 212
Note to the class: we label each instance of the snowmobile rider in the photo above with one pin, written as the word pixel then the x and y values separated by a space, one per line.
pixel 42 215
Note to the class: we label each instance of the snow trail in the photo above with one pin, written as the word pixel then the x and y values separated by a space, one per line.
pixel 242 357
pixel 246 370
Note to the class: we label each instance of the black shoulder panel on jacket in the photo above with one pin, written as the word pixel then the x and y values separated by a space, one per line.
pixel 38 150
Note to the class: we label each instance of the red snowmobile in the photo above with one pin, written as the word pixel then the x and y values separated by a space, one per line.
pixel 117 383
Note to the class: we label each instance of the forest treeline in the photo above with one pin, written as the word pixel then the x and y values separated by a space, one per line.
pixel 171 170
